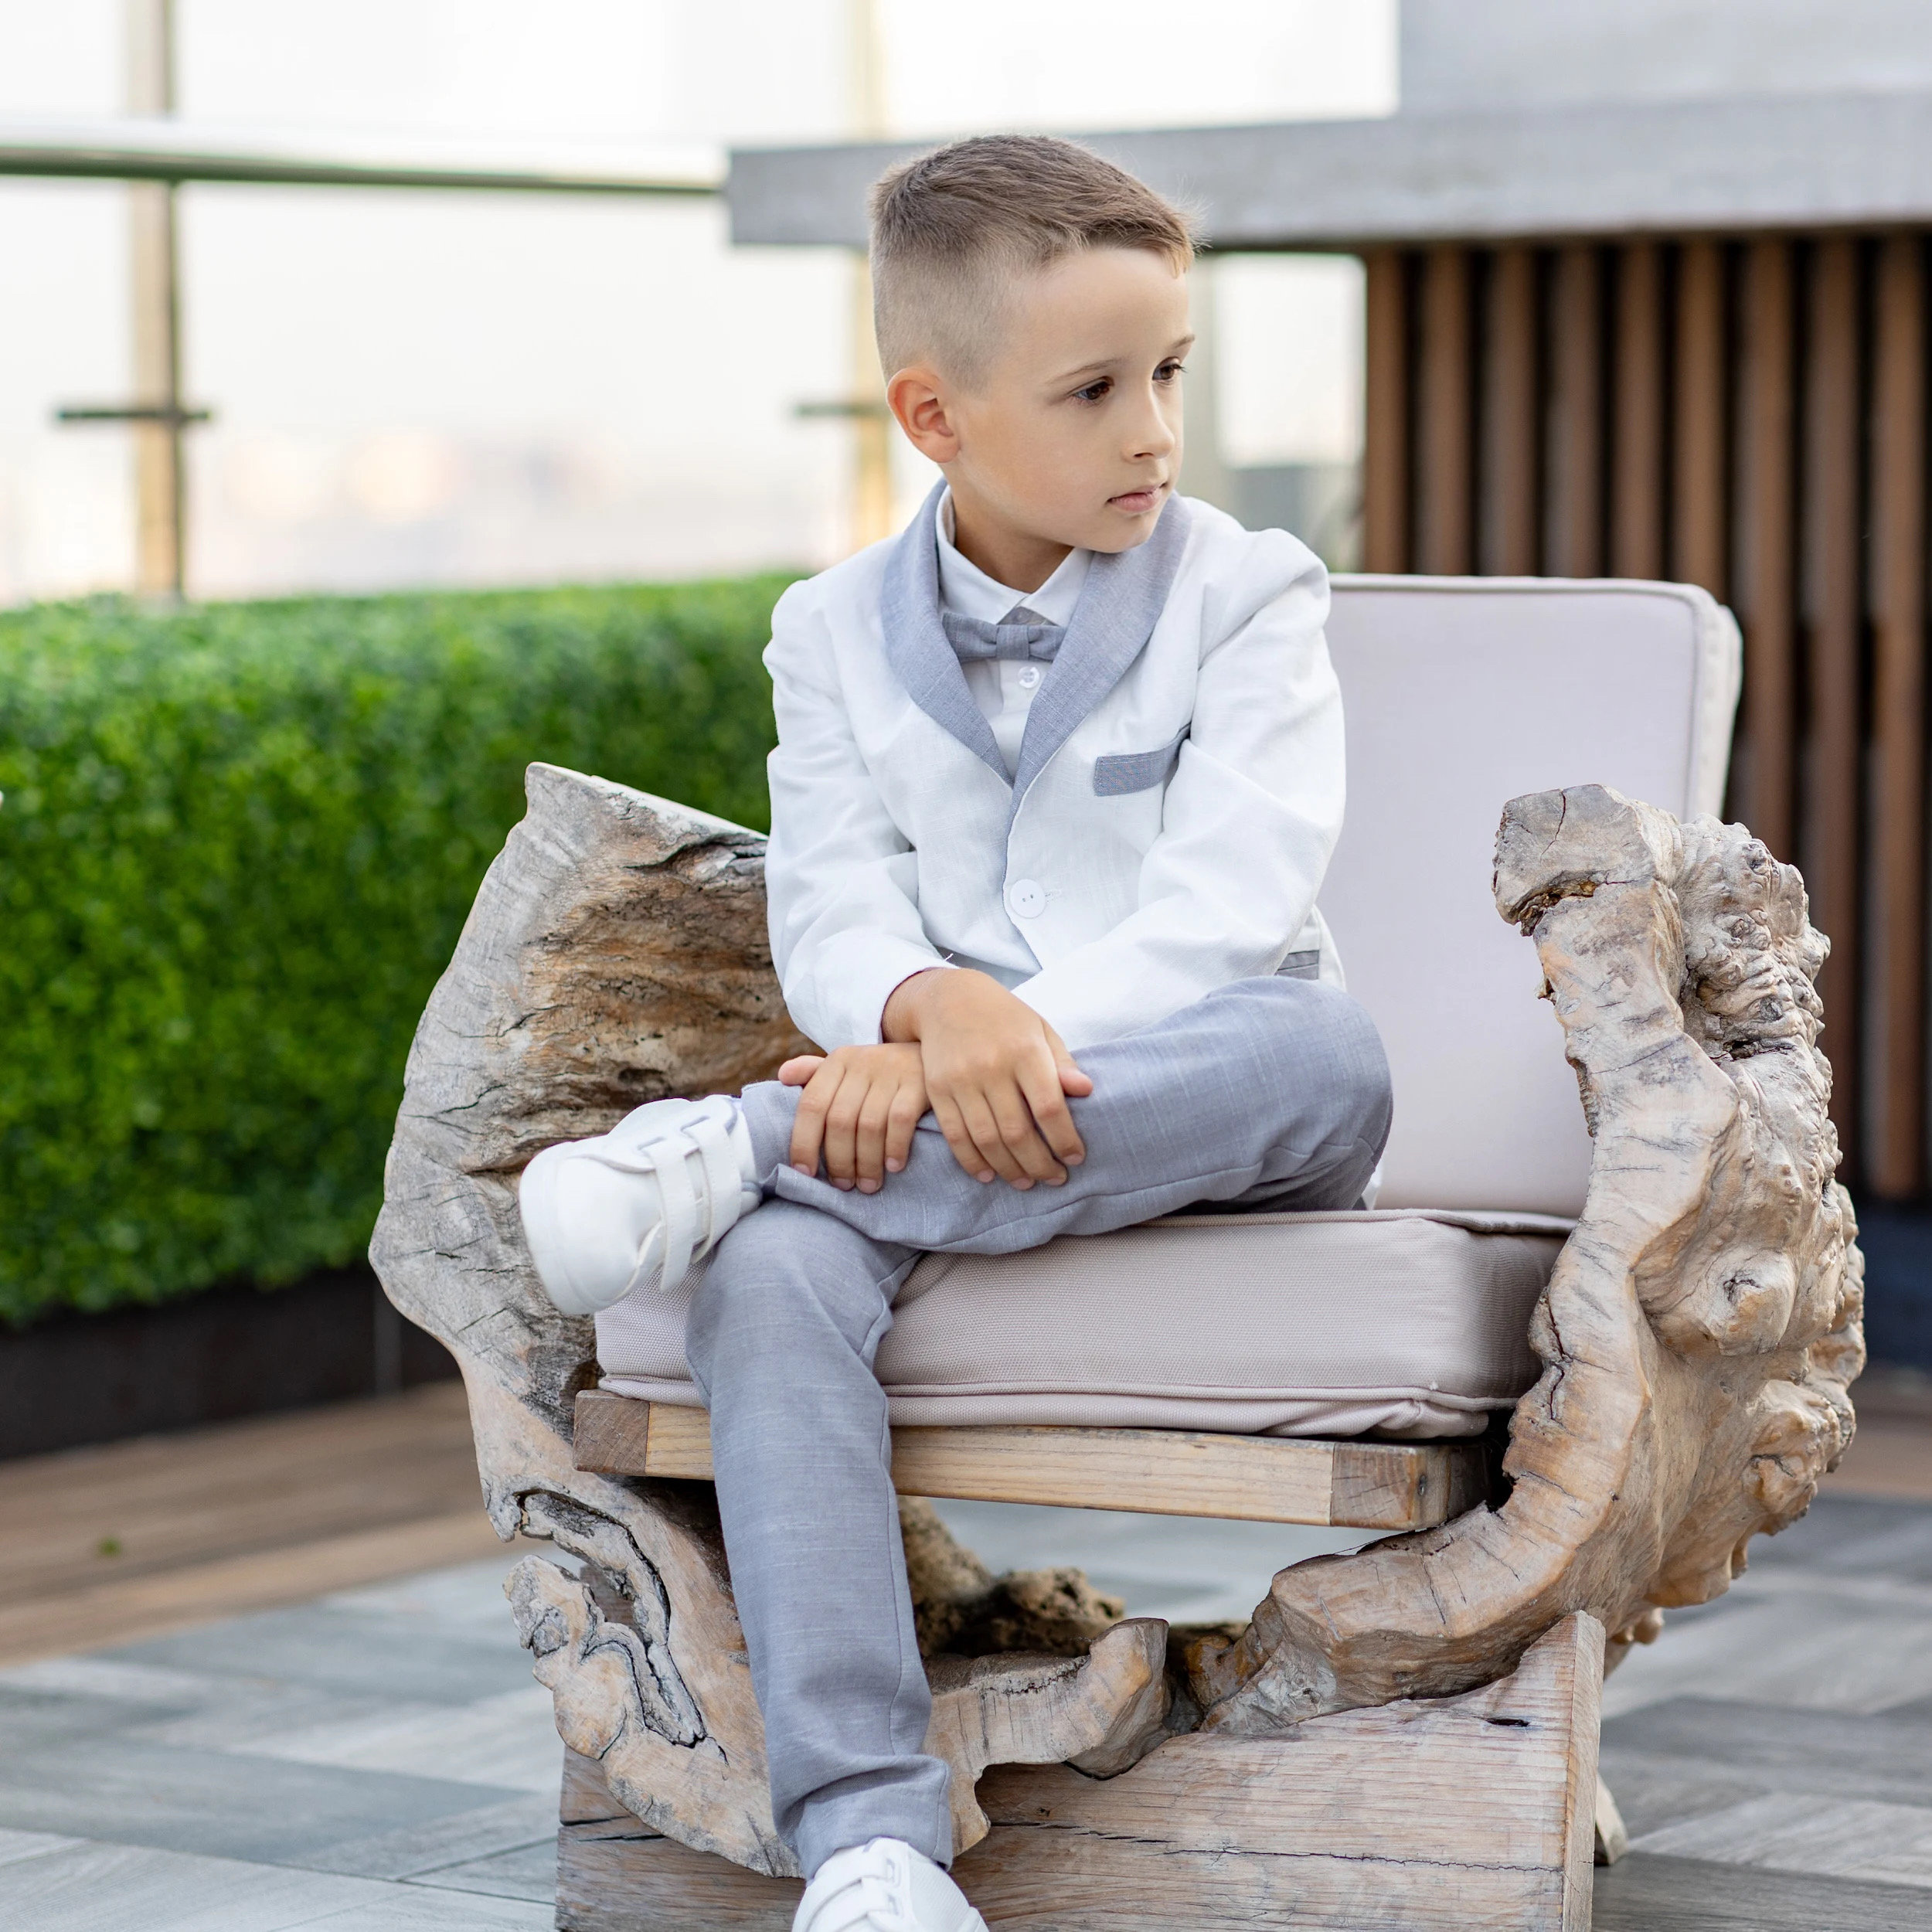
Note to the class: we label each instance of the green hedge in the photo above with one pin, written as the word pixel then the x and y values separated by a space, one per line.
pixel 236 846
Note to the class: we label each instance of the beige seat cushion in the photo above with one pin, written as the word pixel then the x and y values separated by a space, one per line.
pixel 1409 1322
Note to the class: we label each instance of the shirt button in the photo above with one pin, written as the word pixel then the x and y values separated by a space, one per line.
pixel 1027 897
pixel 1029 676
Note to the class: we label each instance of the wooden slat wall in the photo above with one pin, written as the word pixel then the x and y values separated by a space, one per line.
pixel 1747 414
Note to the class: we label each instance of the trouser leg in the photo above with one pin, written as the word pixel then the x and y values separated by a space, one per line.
pixel 1268 1093
pixel 1271 1092
pixel 781 1340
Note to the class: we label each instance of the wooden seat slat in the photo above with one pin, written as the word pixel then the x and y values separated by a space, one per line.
pixel 1176 1472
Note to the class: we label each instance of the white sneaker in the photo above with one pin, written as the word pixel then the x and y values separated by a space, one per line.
pixel 884 1887
pixel 641 1205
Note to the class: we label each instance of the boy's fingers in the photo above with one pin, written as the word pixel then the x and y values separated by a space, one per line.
pixel 1041 1089
pixel 965 1151
pixel 809 1126
pixel 841 1130
pixel 1022 1139
pixel 869 1159
pixel 983 1124
pixel 796 1073
pixel 909 1105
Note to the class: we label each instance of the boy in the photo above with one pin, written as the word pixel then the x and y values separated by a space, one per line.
pixel 1059 773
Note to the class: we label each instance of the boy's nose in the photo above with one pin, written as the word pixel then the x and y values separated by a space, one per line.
pixel 1155 437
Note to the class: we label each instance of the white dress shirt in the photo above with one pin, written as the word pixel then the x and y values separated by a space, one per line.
pixel 1003 690
pixel 1169 835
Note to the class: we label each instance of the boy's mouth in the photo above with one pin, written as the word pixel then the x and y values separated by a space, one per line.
pixel 1136 502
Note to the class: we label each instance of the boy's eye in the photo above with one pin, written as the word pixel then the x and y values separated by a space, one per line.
pixel 1169 370
pixel 1094 392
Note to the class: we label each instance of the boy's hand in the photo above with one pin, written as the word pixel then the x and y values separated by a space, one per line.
pixel 858 1111
pixel 996 1075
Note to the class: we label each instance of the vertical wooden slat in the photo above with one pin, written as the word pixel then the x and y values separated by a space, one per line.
pixel 1765 775
pixel 1445 450
pixel 1573 530
pixel 1384 455
pixel 1829 842
pixel 1698 511
pixel 1894 1155
pixel 1510 486
pixel 1637 492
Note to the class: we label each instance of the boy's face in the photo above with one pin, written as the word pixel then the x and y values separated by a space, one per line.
pixel 1072 438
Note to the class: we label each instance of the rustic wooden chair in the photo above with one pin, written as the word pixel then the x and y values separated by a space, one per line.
pixel 1405 1737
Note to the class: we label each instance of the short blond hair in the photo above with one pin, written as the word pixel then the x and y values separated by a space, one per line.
pixel 950 228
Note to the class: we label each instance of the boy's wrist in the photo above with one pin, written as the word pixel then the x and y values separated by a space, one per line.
pixel 907 1005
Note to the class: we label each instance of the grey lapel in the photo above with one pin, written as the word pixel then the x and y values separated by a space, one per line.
pixel 916 646
pixel 1120 604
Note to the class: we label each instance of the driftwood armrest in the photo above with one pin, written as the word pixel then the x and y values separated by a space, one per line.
pixel 1702 1322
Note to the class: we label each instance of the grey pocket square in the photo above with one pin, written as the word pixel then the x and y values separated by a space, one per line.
pixel 1136 770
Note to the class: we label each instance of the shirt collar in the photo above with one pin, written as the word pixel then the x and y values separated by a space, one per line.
pixel 965 589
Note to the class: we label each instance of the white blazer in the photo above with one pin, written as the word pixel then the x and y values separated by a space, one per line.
pixel 1179 793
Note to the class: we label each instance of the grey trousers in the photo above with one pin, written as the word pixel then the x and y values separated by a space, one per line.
pixel 1271 1094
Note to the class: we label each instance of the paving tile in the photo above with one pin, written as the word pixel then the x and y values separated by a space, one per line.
pixel 31 1720
pixel 1804 1651
pixel 1645 1892
pixel 508 1741
pixel 462 1836
pixel 1846 1533
pixel 468 1597
pixel 1653 1791
pixel 16 1845
pixel 109 1678
pixel 410 1908
pixel 528 1873
pixel 1888 1757
pixel 123 1888
pixel 361 1655
pixel 1798 1831
pixel 219 1804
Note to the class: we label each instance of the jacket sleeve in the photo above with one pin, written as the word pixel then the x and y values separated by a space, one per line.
pixel 1249 822
pixel 841 880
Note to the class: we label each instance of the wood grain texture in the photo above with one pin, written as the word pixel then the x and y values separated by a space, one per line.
pixel 1445 396
pixel 1698 1333
pixel 1179 1472
pixel 1573 520
pixel 1637 492
pixel 1895 1160
pixel 1386 452
pixel 616 952
pixel 1765 773
pixel 1702 1323
pixel 1699 498
pixel 1830 514
pixel 1511 467
pixel 1476 1810
pixel 130 1540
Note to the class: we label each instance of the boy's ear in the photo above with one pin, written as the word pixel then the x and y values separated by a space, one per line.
pixel 916 397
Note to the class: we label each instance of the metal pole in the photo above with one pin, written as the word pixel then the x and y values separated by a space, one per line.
pixel 160 479
pixel 871 426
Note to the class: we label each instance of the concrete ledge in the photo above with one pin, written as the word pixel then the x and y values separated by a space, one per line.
pixel 1678 167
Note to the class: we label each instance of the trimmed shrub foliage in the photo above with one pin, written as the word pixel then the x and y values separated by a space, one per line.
pixel 236 847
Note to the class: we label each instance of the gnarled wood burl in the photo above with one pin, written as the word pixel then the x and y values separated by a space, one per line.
pixel 1405 1737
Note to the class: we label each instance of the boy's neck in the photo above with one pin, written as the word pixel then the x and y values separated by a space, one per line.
pixel 1019 559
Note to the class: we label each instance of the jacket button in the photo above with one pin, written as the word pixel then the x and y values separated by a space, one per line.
pixel 1027 897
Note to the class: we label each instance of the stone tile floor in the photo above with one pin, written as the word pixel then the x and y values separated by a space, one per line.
pixel 379 1760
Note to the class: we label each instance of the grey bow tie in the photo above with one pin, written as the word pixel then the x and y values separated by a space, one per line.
pixel 1020 633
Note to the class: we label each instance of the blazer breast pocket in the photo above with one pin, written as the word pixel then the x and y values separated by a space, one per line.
pixel 1127 771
